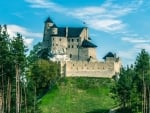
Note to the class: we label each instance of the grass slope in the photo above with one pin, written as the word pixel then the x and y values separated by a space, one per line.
pixel 79 95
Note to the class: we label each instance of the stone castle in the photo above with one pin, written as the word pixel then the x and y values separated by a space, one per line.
pixel 72 46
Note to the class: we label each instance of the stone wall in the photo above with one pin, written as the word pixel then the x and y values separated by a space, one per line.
pixel 59 43
pixel 72 50
pixel 89 69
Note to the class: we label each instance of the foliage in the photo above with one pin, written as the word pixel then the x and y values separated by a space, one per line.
pixel 133 87
pixel 22 79
pixel 44 74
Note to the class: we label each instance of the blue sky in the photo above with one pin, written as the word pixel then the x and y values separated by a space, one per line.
pixel 119 26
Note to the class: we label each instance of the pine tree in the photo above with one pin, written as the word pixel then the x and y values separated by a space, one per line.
pixel 5 71
pixel 142 67
pixel 18 50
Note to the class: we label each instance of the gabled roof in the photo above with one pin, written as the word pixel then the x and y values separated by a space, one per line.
pixel 88 44
pixel 72 32
pixel 109 54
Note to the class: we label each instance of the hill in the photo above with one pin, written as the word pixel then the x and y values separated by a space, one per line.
pixel 79 95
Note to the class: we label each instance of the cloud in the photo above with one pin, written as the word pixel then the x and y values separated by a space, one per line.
pixel 28 36
pixel 13 29
pixel 137 44
pixel 135 40
pixel 106 17
pixel 128 56
pixel 143 46
pixel 28 41
pixel 107 25
pixel 45 4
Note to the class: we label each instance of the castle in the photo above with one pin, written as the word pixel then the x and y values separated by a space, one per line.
pixel 72 46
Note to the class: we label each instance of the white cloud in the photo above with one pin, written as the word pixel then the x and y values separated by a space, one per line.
pixel 28 41
pixel 106 17
pixel 135 40
pixel 13 29
pixel 107 25
pixel 28 36
pixel 128 56
pixel 45 4
pixel 143 46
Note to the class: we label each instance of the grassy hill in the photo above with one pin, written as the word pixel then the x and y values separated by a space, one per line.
pixel 79 95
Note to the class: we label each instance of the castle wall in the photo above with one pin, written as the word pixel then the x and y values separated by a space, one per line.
pixel 59 44
pixel 92 52
pixel 88 69
pixel 83 54
pixel 72 49
pixel 86 53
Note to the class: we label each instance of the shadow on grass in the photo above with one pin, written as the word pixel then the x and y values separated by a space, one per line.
pixel 99 111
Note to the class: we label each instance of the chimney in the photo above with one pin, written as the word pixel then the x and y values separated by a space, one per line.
pixel 66 31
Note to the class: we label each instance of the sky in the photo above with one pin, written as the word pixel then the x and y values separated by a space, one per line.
pixel 118 26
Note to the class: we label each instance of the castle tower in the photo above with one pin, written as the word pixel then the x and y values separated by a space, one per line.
pixel 49 29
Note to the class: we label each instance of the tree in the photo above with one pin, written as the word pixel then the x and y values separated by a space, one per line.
pixel 33 56
pixel 133 87
pixel 123 87
pixel 19 58
pixel 5 70
pixel 142 68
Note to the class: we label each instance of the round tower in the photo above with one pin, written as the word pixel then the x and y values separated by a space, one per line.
pixel 54 31
pixel 48 29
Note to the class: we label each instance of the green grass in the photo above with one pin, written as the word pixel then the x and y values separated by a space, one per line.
pixel 79 95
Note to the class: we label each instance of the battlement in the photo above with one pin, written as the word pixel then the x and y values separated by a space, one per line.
pixel 90 69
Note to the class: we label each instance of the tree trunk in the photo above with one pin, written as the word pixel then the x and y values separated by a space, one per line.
pixel 35 99
pixel 21 99
pixel 9 97
pixel 145 98
pixel 17 89
pixel 143 94
pixel 3 98
pixel 7 93
pixel 148 99
pixel 25 100
pixel 0 101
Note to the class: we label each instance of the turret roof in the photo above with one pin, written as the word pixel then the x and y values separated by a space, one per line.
pixel 88 44
pixel 109 54
pixel 48 20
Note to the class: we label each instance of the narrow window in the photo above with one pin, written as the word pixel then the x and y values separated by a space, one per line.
pixel 70 55
pixel 68 46
pixel 77 40
pixel 72 46
pixel 72 40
